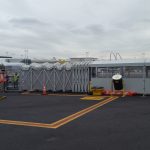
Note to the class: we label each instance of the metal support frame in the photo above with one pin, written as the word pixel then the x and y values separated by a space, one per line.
pixel 75 79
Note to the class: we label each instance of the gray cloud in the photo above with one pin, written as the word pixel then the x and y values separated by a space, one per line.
pixel 26 22
pixel 70 28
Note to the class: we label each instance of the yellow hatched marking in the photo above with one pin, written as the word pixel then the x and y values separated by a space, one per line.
pixel 92 98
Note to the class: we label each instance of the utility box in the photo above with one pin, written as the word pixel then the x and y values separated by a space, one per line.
pixel 98 91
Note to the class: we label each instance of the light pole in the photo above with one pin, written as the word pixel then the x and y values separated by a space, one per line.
pixel 26 56
pixel 144 74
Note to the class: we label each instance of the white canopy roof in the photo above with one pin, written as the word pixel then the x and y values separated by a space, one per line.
pixel 124 62
pixel 48 66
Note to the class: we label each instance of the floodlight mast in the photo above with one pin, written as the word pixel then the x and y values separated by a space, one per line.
pixel 26 56
pixel 144 74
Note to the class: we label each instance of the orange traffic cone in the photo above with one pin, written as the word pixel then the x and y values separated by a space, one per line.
pixel 44 90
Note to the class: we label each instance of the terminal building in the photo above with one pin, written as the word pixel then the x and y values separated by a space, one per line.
pixel 135 73
pixel 77 75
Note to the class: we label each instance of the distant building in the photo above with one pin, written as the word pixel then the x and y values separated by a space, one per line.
pixel 75 59
pixel 53 60
pixel 11 64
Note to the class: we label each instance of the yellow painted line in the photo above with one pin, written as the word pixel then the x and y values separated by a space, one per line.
pixel 22 123
pixel 2 97
pixel 61 122
pixel 125 94
pixel 72 117
pixel 92 98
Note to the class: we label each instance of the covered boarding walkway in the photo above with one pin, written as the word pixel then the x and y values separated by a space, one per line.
pixel 67 77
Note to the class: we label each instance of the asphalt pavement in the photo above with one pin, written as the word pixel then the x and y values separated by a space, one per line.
pixel 123 124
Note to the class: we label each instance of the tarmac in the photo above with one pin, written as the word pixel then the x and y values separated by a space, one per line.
pixel 65 122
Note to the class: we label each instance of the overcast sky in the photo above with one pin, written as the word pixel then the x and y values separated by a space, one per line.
pixel 70 28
